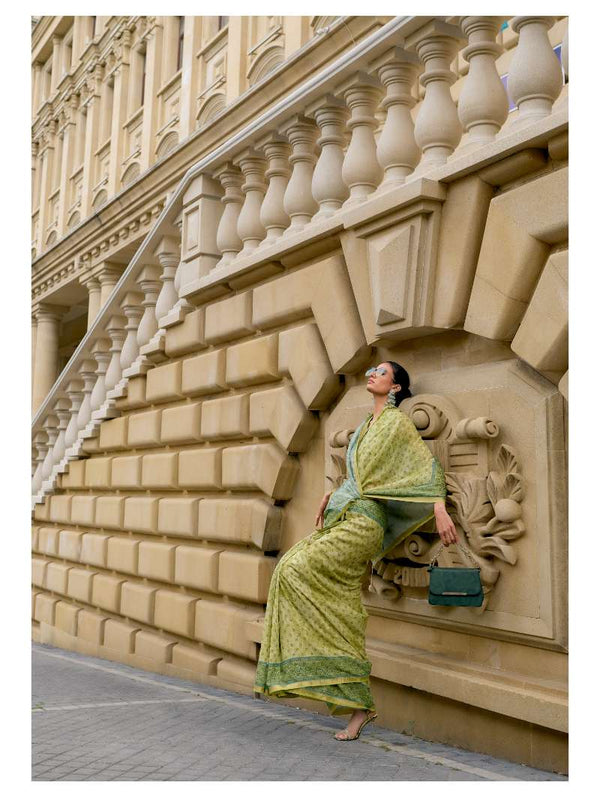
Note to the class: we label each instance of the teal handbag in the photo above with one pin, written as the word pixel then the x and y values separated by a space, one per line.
pixel 454 586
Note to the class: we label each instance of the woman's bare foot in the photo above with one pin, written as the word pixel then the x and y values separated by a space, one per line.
pixel 355 721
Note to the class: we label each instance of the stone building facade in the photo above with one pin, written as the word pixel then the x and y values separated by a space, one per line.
pixel 232 218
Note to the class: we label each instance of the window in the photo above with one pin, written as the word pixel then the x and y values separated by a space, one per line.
pixel 93 27
pixel 143 58
pixel 180 43
pixel 223 21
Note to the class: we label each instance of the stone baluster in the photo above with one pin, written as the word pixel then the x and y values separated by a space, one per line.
pixel 63 412
pixel 298 200
pixel 167 253
pixel 272 213
pixel 92 284
pixel 564 53
pixel 116 331
pixel 228 239
pixel 361 170
pixel 102 356
pixel 133 310
pixel 437 129
pixel 250 229
pixel 328 187
pixel 40 441
pixel 88 374
pixel 75 395
pixel 51 428
pixel 397 150
pixel 483 104
pixel 149 281
pixel 534 75
pixel 109 277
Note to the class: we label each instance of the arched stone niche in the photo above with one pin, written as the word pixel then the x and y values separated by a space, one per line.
pixel 498 430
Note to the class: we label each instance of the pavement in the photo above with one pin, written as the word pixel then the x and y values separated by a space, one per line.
pixel 97 720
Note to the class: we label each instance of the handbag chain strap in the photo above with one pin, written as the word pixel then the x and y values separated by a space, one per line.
pixel 464 549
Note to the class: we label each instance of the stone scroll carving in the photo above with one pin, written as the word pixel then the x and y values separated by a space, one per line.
pixel 485 490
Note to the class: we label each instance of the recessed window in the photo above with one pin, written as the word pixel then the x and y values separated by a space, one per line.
pixel 180 43
pixel 223 21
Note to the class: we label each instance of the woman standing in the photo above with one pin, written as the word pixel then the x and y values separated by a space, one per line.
pixel 313 641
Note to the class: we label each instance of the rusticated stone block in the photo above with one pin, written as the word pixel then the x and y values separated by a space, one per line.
pixel 141 514
pixel 280 413
pixel 106 592
pixel 156 560
pixel 303 357
pixel 127 472
pixel 137 601
pixel 194 659
pixel 136 394
pixel 38 572
pixel 119 636
pixel 174 612
pixel 83 509
pixel 197 567
pixel 243 521
pixel 60 507
pixel 91 446
pixel 93 548
pixel 253 362
pixel 164 383
pixel 144 429
pixel 222 625
pixel 153 646
pixel 48 541
pixel 204 374
pixel 237 670
pixel 109 511
pixel 90 626
pixel 159 471
pixel 57 576
pixel 245 575
pixel 260 466
pixel 65 617
pixel 35 538
pixel 44 608
pixel 122 554
pixel 74 477
pixel 69 545
pixel 186 337
pixel 178 515
pixel 200 468
pixel 97 472
pixel 229 319
pixel 181 424
pixel 79 584
pixel 225 417
pixel 113 433
pixel 40 511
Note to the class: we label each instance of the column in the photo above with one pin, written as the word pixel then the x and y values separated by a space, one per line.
pixel 298 202
pixel 437 130
pixel 483 104
pixel 119 116
pixel 534 75
pixel 192 42
pixel 328 187
pixel 66 166
pixel 92 284
pixel 272 213
pixel 237 47
pixel 108 276
pixel 397 150
pixel 45 369
pixel 36 82
pixel 151 87
pixel 56 63
pixel 91 141
pixel 228 239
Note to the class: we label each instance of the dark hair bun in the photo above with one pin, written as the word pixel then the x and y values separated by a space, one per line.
pixel 400 376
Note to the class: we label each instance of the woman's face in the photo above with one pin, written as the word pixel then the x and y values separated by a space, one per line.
pixel 381 384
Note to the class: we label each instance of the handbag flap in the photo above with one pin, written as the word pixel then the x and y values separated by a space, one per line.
pixel 454 579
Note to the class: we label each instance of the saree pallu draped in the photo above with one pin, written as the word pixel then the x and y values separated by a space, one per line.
pixel 313 642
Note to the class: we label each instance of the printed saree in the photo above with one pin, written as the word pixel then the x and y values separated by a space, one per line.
pixel 313 642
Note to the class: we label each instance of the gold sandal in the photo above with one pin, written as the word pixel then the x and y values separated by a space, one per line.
pixel 367 719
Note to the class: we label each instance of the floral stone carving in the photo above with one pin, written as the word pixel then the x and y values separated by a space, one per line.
pixel 485 490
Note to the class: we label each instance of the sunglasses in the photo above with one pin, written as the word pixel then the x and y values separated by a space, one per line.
pixel 375 371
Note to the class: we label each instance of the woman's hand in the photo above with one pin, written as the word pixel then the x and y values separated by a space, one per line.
pixel 321 512
pixel 444 524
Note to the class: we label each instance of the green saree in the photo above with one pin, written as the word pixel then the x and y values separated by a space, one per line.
pixel 313 642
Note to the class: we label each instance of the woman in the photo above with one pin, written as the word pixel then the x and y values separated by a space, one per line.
pixel 313 641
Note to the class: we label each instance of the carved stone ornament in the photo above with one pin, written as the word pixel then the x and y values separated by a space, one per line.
pixel 485 490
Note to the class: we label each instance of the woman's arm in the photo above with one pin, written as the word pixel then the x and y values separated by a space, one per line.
pixel 444 524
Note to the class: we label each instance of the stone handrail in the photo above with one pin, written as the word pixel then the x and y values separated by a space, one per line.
pixel 269 183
